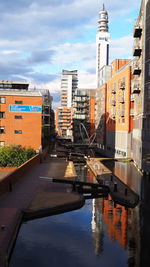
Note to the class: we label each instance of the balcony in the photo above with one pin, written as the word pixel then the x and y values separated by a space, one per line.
pixel 136 68
pixel 131 112
pixel 136 89
pixel 78 105
pixel 137 51
pixel 137 71
pixel 113 102
pixel 137 32
pixel 113 115
pixel 80 100
pixel 113 91
pixel 122 113
pixel 132 98
pixel 122 86
pixel 121 99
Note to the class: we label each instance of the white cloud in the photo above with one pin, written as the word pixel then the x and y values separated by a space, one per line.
pixel 40 38
pixel 121 47
pixel 87 80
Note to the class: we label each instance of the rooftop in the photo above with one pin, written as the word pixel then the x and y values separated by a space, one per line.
pixel 19 93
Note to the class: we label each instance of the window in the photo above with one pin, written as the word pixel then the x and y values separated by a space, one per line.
pixel 18 102
pixel 2 115
pixel 2 100
pixel 148 91
pixel 18 131
pixel 2 143
pixel 18 117
pixel 2 129
pixel 149 69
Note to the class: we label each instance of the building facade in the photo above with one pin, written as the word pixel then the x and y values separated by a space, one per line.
pixel 26 115
pixel 102 43
pixel 21 118
pixel 69 83
pixel 118 117
pixel 100 117
pixel 141 88
pixel 83 115
pixel 47 117
pixel 138 84
pixel 114 111
pixel 146 98
pixel 64 122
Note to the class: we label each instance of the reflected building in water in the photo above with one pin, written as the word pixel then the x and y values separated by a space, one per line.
pixel 145 222
pixel 122 225
pixel 97 225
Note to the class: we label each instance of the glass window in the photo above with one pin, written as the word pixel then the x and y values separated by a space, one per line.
pixel 149 69
pixel 148 91
pixel 2 100
pixel 2 129
pixel 18 102
pixel 18 117
pixel 2 115
pixel 18 131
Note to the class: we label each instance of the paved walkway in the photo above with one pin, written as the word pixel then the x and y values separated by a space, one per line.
pixel 31 194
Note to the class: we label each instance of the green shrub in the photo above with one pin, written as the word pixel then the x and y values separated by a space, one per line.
pixel 14 156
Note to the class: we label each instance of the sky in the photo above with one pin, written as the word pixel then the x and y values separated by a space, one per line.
pixel 39 38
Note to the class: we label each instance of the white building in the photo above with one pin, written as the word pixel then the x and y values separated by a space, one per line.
pixel 102 43
pixel 69 83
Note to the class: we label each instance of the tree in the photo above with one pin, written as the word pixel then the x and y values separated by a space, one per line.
pixel 14 156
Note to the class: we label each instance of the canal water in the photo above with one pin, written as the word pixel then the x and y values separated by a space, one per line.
pixel 99 234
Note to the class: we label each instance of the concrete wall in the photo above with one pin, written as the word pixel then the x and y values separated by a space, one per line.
pixel 118 144
pixel 7 183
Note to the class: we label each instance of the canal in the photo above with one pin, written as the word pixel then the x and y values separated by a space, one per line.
pixel 99 234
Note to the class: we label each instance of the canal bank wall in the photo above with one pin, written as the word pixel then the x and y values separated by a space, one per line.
pixel 31 198
pixel 119 191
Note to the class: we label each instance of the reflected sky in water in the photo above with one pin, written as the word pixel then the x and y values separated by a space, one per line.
pixel 69 239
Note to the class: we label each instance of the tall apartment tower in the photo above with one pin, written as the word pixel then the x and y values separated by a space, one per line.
pixel 102 43
pixel 69 83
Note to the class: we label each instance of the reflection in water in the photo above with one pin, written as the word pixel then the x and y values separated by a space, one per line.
pixel 145 222
pixel 70 239
pixel 97 225
pixel 121 225
pixel 127 172
pixel 99 234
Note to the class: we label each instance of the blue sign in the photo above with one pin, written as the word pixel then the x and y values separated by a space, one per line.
pixel 25 108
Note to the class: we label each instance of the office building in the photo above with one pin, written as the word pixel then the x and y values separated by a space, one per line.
pixel 25 115
pixel 21 118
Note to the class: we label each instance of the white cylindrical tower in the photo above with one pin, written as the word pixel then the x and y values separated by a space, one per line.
pixel 102 43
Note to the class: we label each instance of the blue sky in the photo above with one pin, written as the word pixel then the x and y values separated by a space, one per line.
pixel 39 38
